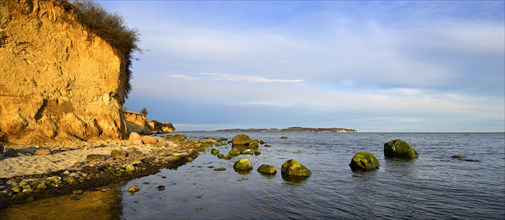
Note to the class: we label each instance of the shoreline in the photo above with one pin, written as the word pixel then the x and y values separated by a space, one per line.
pixel 26 176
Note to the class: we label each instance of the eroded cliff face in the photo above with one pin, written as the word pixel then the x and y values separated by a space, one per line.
pixel 58 81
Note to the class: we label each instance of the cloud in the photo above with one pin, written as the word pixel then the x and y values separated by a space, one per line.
pixel 353 62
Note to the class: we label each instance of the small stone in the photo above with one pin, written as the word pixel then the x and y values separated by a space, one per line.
pixel 284 137
pixel 133 188
pixel 75 197
pixel 30 199
pixel 77 192
pixel 149 140
pixel 131 149
pixel 189 159
pixel 160 188
pixel 219 169
pixel 257 152
pixel 146 183
pixel 66 172
pixel 247 151
pixel 129 168
pixel 214 151
pixel 96 158
pixel 42 152
pixel 458 157
pixel 268 145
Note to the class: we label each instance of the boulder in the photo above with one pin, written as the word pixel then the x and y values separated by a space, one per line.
pixel 399 149
pixel 294 168
pixel 137 142
pixel 118 154
pixel 134 136
pixel 267 169
pixel 149 140
pixel 243 165
pixel 243 140
pixel 364 161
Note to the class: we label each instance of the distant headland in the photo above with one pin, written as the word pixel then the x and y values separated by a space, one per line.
pixel 290 129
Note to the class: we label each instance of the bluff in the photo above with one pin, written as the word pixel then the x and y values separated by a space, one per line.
pixel 137 122
pixel 59 81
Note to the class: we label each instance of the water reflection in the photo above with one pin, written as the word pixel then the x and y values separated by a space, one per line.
pixel 102 204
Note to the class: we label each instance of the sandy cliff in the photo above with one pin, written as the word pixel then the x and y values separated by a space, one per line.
pixel 58 81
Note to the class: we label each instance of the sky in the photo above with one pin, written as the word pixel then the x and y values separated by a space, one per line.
pixel 376 66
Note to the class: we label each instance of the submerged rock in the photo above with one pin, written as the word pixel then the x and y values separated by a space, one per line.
pixel 364 161
pixel 243 165
pixel 284 137
pixel 219 169
pixel 399 149
pixel 294 168
pixel 267 169
pixel 463 158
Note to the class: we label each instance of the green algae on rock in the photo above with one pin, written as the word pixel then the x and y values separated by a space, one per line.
pixel 243 165
pixel 294 168
pixel 399 149
pixel 266 169
pixel 364 161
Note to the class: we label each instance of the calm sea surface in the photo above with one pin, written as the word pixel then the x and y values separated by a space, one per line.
pixel 434 186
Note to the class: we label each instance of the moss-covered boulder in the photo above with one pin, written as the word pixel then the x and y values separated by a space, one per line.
pixel 399 149
pixel 243 165
pixel 266 169
pixel 294 168
pixel 364 161
pixel 244 140
pixel 241 139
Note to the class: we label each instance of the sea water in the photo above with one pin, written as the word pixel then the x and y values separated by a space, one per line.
pixel 433 186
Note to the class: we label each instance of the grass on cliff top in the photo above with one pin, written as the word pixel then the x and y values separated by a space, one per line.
pixel 112 28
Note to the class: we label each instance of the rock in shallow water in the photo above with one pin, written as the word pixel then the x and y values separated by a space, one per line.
pixel 399 149
pixel 364 161
pixel 294 168
pixel 267 169
pixel 133 188
pixel 243 165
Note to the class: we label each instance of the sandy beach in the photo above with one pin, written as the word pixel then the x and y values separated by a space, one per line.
pixel 29 173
